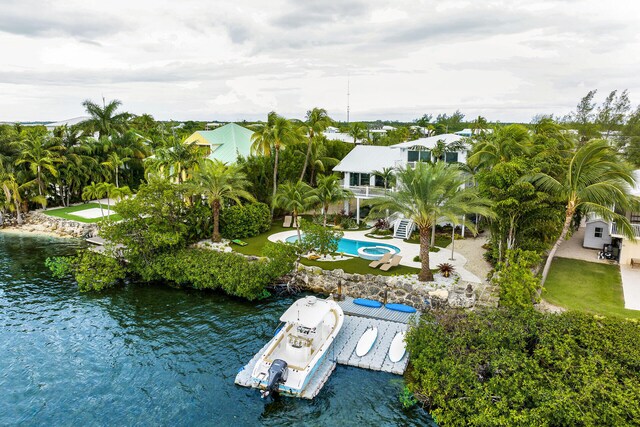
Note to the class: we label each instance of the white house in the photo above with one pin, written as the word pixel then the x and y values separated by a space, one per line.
pixel 359 165
pixel 599 233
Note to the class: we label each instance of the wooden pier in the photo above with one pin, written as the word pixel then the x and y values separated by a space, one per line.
pixel 356 320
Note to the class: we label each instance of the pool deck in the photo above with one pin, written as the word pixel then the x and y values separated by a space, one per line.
pixel 408 251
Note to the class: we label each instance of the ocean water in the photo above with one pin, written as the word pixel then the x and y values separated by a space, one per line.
pixel 153 355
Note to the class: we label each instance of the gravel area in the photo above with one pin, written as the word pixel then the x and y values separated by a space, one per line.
pixel 471 248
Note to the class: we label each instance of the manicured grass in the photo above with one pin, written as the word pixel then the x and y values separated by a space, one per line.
pixel 67 213
pixel 355 265
pixel 587 286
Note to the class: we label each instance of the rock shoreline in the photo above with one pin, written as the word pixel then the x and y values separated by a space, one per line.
pixel 398 289
pixel 36 222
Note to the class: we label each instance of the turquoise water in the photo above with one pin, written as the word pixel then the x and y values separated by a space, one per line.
pixel 153 355
pixel 349 246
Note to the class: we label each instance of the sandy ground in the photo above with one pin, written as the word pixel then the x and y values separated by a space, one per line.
pixel 471 248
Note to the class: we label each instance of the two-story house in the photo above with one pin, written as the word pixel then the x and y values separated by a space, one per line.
pixel 359 167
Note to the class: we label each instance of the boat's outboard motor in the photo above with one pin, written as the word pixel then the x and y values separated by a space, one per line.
pixel 277 375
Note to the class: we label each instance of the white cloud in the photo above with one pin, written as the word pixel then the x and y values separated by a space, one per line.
pixel 507 60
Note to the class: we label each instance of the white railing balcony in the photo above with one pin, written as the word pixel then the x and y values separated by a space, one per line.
pixel 615 231
pixel 366 191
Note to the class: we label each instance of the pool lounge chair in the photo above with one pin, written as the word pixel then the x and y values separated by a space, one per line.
pixel 287 221
pixel 393 263
pixel 377 263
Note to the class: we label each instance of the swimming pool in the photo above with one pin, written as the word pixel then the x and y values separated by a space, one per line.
pixel 350 247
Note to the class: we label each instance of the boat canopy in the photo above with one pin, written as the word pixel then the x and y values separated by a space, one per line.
pixel 307 312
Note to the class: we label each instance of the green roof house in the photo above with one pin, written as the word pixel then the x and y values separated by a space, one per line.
pixel 225 143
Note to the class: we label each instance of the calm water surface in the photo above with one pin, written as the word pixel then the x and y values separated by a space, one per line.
pixel 147 355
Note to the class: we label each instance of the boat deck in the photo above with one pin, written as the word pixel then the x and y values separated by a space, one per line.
pixel 356 320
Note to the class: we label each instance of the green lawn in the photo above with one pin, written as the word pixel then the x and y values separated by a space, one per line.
pixel 355 265
pixel 67 213
pixel 587 286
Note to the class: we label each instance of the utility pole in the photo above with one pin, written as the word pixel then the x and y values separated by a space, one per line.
pixel 348 94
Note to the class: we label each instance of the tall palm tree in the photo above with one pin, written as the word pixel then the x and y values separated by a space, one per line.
pixel 272 136
pixel 595 180
pixel 317 121
pixel 105 119
pixel 40 154
pixel 296 198
pixel 358 131
pixel 218 182
pixel 94 192
pixel 501 146
pixel 115 162
pixel 430 192
pixel 330 191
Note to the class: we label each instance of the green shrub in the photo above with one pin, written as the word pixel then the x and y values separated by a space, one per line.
pixel 523 368
pixel 249 220
pixel 95 272
pixel 517 283
pixel 348 223
pixel 316 237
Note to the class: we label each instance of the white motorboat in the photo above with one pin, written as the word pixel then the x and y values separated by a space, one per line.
pixel 290 360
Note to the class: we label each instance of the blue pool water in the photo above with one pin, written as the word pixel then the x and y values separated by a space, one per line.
pixel 350 247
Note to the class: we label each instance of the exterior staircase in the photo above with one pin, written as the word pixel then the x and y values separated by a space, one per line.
pixel 403 228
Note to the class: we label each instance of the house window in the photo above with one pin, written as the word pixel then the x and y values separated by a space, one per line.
pixel 356 179
pixel 635 217
pixel 419 156
pixel 451 157
pixel 598 232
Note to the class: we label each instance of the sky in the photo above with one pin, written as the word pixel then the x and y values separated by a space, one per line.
pixel 235 60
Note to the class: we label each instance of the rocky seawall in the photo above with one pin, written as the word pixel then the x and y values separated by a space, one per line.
pixel 38 223
pixel 398 289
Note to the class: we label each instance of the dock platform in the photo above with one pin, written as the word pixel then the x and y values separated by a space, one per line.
pixel 356 320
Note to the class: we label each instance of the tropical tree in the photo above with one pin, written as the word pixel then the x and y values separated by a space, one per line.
pixel 115 162
pixel 387 175
pixel 595 180
pixel 330 191
pixel 317 121
pixel 502 145
pixel 177 160
pixel 11 191
pixel 40 154
pixel 219 183
pixel 105 119
pixel 272 136
pixel 296 198
pixel 94 192
pixel 358 131
pixel 428 193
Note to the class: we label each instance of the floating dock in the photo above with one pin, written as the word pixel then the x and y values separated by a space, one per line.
pixel 356 320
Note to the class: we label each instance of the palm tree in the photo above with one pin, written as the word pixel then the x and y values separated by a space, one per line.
pixel 503 145
pixel 219 182
pixel 358 131
pixel 317 121
pixel 115 162
pixel 94 192
pixel 277 133
pixel 11 191
pixel 330 191
pixel 387 176
pixel 177 160
pixel 430 192
pixel 296 198
pixel 40 154
pixel 104 119
pixel 595 180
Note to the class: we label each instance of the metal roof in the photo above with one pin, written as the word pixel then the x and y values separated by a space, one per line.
pixel 431 141
pixel 369 158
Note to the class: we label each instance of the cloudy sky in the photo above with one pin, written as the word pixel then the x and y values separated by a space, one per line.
pixel 207 60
